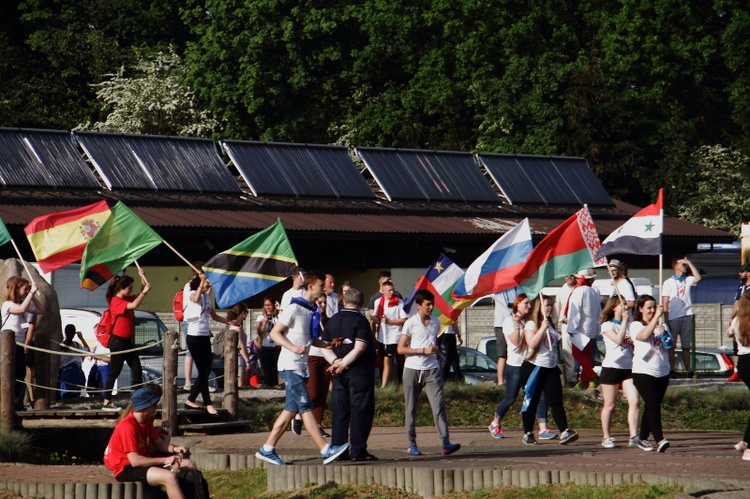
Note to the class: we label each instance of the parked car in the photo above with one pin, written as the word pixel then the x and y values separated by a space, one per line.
pixel 149 330
pixel 475 366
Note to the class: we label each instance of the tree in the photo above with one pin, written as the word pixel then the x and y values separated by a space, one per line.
pixel 152 99
pixel 718 184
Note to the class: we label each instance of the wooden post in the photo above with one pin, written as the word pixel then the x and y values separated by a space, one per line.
pixel 230 372
pixel 7 380
pixel 169 382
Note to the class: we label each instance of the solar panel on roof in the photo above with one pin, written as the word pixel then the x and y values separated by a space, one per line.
pixel 427 175
pixel 146 162
pixel 301 170
pixel 579 176
pixel 545 180
pixel 42 158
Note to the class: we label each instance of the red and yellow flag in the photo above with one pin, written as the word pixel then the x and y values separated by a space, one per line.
pixel 59 238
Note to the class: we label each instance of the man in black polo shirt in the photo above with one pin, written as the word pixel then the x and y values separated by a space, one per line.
pixel 353 363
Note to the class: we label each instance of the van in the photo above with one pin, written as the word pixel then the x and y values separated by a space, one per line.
pixel 149 330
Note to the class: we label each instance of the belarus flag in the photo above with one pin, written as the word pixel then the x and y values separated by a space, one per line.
pixel 641 235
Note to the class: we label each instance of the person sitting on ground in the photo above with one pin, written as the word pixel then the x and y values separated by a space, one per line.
pixel 137 453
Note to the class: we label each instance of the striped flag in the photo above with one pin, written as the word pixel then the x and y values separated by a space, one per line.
pixel 641 235
pixel 252 266
pixel 59 238
pixel 121 240
pixel 4 234
pixel 440 279
pixel 496 268
pixel 564 251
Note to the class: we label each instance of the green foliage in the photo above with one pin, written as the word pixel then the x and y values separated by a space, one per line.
pixel 14 446
pixel 717 179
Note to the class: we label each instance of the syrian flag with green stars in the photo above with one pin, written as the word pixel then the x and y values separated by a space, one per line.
pixel 641 235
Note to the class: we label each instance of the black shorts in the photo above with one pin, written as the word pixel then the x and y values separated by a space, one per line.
pixel 133 474
pixel 614 376
pixel 388 350
pixel 501 346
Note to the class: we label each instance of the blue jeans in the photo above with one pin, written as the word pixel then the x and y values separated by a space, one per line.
pixel 297 400
pixel 512 387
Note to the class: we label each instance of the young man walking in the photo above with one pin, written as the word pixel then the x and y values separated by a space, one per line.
pixel 293 332
pixel 418 342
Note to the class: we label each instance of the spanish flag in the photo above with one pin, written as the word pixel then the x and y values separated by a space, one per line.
pixel 59 238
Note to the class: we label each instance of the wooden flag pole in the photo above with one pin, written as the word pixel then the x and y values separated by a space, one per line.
pixel 25 266
pixel 183 258
pixel 140 271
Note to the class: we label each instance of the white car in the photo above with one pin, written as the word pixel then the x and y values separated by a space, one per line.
pixel 149 330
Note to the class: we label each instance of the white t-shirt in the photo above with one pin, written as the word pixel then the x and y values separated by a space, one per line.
pixel 561 301
pixel 332 304
pixel 735 328
pixel 388 334
pixel 421 336
pixel 290 293
pixel 680 302
pixel 626 290
pixel 267 341
pixel 617 356
pixel 297 320
pixel 515 354
pixel 583 311
pixel 18 323
pixel 648 357
pixel 545 356
pixel 197 315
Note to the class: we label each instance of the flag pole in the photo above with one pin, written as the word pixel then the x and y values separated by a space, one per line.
pixel 25 266
pixel 182 257
pixel 140 271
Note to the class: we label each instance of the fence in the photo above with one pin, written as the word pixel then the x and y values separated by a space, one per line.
pixel 711 320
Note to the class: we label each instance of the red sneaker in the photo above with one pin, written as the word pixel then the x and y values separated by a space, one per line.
pixel 734 378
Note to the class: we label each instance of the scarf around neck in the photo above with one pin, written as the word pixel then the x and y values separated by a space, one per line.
pixel 314 319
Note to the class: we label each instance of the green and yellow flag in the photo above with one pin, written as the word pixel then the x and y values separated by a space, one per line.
pixel 121 240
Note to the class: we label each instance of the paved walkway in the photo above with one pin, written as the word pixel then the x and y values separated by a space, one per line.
pixel 693 455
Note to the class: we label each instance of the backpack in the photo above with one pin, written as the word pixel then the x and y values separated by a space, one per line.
pixel 104 328
pixel 178 307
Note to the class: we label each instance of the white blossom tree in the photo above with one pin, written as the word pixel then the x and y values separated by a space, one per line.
pixel 151 98
pixel 719 189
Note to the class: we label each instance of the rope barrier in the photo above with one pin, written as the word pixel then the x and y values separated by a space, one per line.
pixel 86 353
pixel 82 387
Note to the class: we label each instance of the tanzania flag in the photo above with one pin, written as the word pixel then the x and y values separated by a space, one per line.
pixel 4 234
pixel 252 266
pixel 440 279
pixel 121 240
pixel 564 251
pixel 59 238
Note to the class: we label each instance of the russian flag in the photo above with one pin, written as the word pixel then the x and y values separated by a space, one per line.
pixel 641 235
pixel 495 269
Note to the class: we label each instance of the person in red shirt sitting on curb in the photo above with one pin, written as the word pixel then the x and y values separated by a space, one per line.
pixel 137 453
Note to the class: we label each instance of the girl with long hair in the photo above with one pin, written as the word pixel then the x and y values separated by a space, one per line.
pixel 122 306
pixel 541 340
pixel 513 330
pixel 20 301
pixel 198 311
pixel 650 369
pixel 238 314
pixel 617 370
pixel 740 327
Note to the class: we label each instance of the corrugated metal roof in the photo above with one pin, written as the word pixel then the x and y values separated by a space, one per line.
pixel 386 222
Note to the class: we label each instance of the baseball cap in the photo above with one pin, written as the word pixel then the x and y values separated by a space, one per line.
pixel 615 263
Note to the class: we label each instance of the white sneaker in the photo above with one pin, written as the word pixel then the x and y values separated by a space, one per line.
pixel 645 445
pixel 633 442
pixel 187 387
pixel 608 443
pixel 746 455
pixel 741 446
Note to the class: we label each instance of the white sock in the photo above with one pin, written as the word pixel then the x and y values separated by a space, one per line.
pixel 267 448
pixel 325 449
